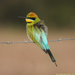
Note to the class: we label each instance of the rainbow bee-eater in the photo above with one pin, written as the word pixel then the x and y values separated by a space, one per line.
pixel 37 31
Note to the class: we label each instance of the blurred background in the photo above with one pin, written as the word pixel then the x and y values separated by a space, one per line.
pixel 29 59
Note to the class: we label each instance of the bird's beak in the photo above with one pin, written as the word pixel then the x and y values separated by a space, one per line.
pixel 22 17
pixel 27 20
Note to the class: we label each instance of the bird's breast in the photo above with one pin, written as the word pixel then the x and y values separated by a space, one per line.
pixel 30 32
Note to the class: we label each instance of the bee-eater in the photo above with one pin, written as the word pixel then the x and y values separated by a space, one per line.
pixel 37 32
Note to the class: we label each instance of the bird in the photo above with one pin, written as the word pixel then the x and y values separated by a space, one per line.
pixel 37 31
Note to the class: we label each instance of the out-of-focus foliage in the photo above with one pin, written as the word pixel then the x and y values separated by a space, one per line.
pixel 55 13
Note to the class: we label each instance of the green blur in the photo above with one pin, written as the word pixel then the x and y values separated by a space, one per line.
pixel 56 13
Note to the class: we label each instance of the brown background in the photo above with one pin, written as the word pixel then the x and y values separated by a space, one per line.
pixel 29 59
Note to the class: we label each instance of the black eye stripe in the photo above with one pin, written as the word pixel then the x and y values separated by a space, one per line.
pixel 31 18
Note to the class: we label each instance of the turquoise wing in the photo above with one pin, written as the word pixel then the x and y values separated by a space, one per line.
pixel 38 35
pixel 44 40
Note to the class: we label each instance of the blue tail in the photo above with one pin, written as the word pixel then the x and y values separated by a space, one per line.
pixel 46 47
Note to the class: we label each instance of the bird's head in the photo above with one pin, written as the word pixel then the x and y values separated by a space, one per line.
pixel 31 18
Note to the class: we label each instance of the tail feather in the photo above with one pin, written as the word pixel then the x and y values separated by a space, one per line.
pixel 51 56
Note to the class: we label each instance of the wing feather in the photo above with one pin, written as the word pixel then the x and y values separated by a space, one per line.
pixel 38 34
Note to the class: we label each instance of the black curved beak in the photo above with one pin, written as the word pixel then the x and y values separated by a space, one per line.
pixel 22 17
